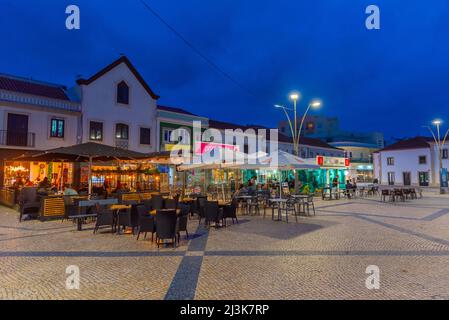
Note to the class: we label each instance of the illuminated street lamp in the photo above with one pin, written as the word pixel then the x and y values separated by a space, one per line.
pixel 440 145
pixel 296 134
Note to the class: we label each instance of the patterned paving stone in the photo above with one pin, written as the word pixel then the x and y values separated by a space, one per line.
pixel 320 257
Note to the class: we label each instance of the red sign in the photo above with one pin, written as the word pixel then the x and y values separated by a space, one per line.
pixel 347 162
pixel 205 147
pixel 320 160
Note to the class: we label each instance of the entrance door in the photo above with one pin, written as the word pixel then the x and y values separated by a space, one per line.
pixel 407 178
pixel 17 130
pixel 423 179
pixel 391 178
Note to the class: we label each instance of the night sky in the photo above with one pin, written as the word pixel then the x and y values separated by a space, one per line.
pixel 393 80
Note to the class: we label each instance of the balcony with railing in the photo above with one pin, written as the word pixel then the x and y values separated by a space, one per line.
pixel 122 143
pixel 17 139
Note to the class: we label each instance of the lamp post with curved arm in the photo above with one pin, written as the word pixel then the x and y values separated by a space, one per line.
pixel 296 134
pixel 440 145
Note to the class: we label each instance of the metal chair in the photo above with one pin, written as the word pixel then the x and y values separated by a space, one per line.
pixel 146 222
pixel 211 212
pixel 157 202
pixel 28 202
pixel 181 224
pixel 105 217
pixel 289 206
pixel 166 226
pixel 309 203
pixel 230 212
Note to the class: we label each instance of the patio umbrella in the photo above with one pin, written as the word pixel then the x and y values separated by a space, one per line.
pixel 86 152
pixel 264 161
pixel 285 161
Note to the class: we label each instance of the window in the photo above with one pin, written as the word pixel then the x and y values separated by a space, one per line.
pixel 445 154
pixel 423 179
pixel 121 131
pixel 182 133
pixel 145 136
pixel 122 93
pixel 167 135
pixel 422 159
pixel 391 178
pixel 57 128
pixel 390 161
pixel 96 131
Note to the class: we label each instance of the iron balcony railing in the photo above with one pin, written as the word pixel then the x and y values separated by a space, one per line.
pixel 122 143
pixel 17 138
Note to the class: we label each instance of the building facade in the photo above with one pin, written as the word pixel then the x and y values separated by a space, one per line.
pixel 34 116
pixel 170 119
pixel 410 162
pixel 119 108
pixel 357 146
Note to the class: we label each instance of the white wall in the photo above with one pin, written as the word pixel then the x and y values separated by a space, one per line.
pixel 404 161
pixel 99 104
pixel 39 123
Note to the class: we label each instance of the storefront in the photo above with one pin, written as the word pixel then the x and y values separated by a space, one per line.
pixel 362 172
pixel 18 173
pixel 143 176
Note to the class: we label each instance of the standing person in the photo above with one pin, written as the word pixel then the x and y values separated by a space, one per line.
pixel 335 182
pixel 349 189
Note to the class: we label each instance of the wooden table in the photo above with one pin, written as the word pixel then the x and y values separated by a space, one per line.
pixel 154 212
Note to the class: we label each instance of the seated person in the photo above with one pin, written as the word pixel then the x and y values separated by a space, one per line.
pixel 69 191
pixel 44 183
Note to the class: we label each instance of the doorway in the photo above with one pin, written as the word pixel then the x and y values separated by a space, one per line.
pixel 407 176
pixel 17 130
pixel 423 179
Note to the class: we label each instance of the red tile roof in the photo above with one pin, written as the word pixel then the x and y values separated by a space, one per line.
pixel 111 66
pixel 176 110
pixel 413 143
pixel 32 87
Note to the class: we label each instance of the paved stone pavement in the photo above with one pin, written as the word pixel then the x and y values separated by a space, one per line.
pixel 320 257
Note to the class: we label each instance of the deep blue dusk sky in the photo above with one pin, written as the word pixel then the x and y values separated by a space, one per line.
pixel 392 80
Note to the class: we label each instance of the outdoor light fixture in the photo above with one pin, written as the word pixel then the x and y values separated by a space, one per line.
pixel 315 104
pixel 440 142
pixel 294 96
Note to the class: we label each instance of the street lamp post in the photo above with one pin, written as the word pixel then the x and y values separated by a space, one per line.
pixel 440 145
pixel 296 134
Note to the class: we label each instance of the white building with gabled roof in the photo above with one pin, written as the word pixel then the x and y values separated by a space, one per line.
pixel 119 108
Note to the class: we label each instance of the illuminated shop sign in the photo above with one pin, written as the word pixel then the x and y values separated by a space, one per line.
pixel 332 162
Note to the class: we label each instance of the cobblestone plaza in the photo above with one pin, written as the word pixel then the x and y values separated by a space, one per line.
pixel 320 257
